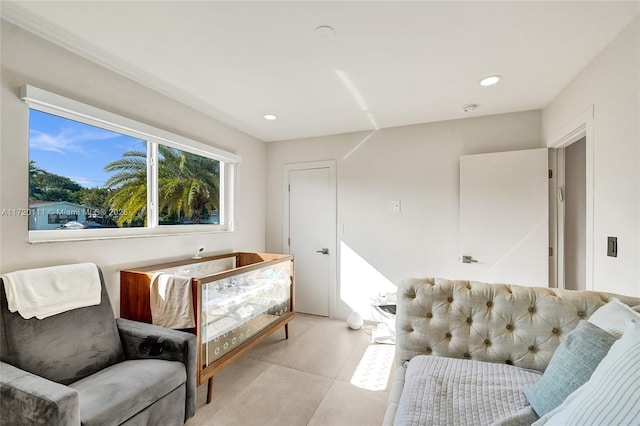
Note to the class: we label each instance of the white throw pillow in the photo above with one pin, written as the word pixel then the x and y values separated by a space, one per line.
pixel 612 394
pixel 612 317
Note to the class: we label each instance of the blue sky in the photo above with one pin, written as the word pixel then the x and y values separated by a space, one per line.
pixel 76 150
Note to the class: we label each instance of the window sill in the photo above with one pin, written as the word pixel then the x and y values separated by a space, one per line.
pixel 56 236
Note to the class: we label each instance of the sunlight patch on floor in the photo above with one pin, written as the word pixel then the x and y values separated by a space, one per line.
pixel 374 368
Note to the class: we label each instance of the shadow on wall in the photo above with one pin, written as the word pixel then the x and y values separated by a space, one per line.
pixel 360 283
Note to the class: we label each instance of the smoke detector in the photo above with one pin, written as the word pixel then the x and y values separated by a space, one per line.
pixel 469 107
pixel 325 31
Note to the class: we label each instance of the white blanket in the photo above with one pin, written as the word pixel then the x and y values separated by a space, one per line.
pixel 171 301
pixel 44 292
pixel 460 392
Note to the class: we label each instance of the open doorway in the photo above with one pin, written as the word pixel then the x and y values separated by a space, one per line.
pixel 572 193
pixel 571 204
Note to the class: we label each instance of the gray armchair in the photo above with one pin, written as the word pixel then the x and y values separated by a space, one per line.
pixel 86 367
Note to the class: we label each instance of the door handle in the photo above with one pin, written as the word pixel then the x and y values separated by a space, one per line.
pixel 323 251
pixel 468 259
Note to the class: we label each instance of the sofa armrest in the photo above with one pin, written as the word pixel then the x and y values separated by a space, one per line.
pixel 29 399
pixel 147 341
pixel 394 397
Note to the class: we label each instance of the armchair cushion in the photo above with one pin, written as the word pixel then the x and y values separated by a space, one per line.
pixel 27 398
pixel 119 392
pixel 63 348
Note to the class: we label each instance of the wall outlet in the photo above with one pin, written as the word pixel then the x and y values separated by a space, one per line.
pixel 394 206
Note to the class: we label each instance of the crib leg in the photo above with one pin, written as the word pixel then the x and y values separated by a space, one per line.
pixel 210 390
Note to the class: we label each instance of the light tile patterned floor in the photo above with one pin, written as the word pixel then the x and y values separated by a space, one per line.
pixel 306 380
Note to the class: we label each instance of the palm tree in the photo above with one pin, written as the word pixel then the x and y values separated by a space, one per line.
pixel 188 184
pixel 129 184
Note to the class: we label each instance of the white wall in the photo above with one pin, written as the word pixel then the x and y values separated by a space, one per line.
pixel 611 83
pixel 418 165
pixel 27 59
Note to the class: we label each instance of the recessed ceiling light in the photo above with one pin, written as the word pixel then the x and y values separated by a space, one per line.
pixel 270 117
pixel 490 80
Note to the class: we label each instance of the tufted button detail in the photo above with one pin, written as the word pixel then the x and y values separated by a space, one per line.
pixel 469 320
pixel 487 342
pixel 409 329
pixel 448 335
pixel 466 355
pixel 509 362
pixel 555 331
pixel 429 315
pixel 411 294
pixel 489 304
pixel 449 299
pixel 531 347
pixel 532 309
pixel 428 349
pixel 580 314
pixel 509 327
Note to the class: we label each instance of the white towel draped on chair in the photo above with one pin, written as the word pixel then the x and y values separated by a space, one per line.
pixel 171 301
pixel 44 292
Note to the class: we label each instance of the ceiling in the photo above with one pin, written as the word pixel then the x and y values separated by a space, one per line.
pixel 389 63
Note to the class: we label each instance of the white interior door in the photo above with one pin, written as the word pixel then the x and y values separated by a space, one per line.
pixel 504 217
pixel 310 237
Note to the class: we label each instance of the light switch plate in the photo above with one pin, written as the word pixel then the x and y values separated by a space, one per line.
pixel 612 246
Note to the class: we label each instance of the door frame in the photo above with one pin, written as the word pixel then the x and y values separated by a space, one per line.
pixel 331 211
pixel 581 126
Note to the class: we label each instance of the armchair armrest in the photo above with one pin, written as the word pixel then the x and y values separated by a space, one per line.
pixel 29 399
pixel 147 341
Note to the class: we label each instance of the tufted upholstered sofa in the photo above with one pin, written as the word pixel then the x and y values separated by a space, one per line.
pixel 497 323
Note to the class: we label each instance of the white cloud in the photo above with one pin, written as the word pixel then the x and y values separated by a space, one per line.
pixel 69 139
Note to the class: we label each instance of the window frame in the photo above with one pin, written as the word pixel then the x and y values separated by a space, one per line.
pixel 51 103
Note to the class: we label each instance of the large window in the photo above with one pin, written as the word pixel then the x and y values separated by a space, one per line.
pixel 105 176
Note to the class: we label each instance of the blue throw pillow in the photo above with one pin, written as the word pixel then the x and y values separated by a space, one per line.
pixel 570 367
